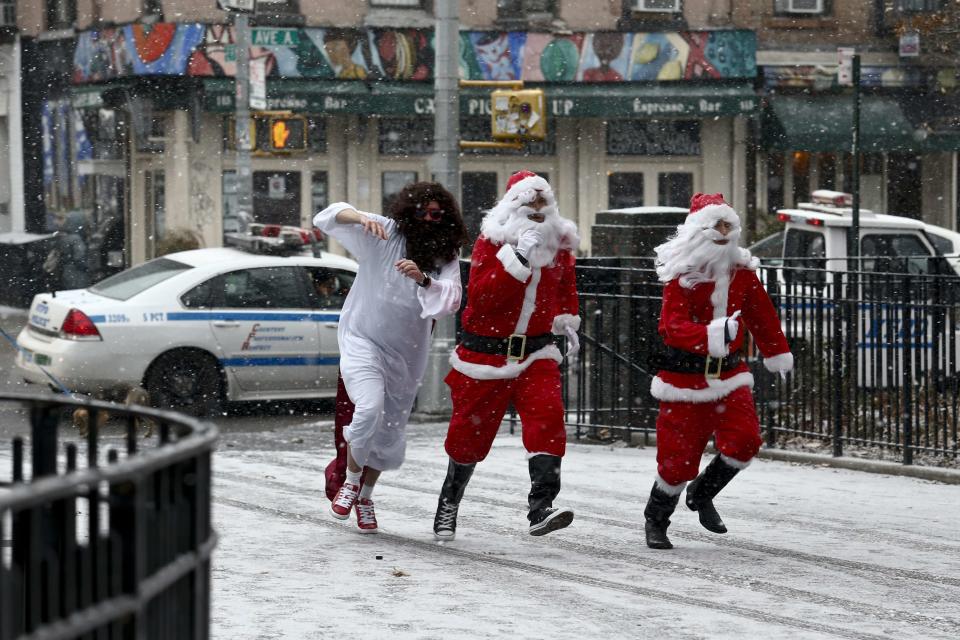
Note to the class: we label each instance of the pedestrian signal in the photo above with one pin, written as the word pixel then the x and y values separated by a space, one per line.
pixel 518 115
pixel 288 133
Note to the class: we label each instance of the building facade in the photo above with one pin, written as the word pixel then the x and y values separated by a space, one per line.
pixel 648 102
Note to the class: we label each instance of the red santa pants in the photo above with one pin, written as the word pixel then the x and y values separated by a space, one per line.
pixel 684 428
pixel 479 407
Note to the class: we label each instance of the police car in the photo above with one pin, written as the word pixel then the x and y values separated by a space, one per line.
pixel 200 327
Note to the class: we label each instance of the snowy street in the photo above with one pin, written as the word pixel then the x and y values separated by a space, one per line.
pixel 813 552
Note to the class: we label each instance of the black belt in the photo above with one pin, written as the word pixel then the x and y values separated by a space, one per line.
pixel 678 361
pixel 515 347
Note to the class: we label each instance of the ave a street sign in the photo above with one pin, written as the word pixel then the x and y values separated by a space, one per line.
pixel 237 5
pixel 275 37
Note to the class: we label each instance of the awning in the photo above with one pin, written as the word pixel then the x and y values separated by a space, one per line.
pixel 633 100
pixel 825 123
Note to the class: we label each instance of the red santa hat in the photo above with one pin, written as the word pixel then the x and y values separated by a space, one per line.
pixel 523 185
pixel 706 209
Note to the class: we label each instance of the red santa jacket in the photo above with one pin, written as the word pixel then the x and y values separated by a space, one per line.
pixel 688 323
pixel 505 297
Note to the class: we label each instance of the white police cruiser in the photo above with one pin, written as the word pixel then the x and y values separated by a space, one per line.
pixel 200 327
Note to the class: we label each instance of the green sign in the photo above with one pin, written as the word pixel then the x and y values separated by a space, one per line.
pixel 275 37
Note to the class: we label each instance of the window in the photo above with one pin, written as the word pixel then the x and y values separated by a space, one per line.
pixel 202 295
pixel 895 253
pixel 406 4
pixel 329 287
pixel 659 6
pixel 154 9
pixel 943 245
pixel 406 136
pixel 918 6
pixel 805 250
pixel 154 207
pixel 273 11
pixel 8 13
pixel 263 288
pixel 478 128
pixel 653 137
pixel 129 283
pixel 522 9
pixel 798 6
pixel 625 190
pixel 61 14
pixel 317 134
pixel 674 189
pixel 480 193
pixel 391 182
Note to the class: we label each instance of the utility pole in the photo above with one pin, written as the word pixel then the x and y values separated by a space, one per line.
pixel 241 30
pixel 433 398
pixel 854 240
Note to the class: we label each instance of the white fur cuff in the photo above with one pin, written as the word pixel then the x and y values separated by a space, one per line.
pixel 563 322
pixel 717 337
pixel 715 390
pixel 781 363
pixel 733 462
pixel 512 265
pixel 669 489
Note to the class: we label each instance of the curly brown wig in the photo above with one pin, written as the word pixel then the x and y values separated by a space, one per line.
pixel 430 244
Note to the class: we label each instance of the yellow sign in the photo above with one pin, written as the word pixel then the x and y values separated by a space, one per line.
pixel 518 114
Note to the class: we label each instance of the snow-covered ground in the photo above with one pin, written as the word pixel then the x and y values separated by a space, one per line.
pixel 812 552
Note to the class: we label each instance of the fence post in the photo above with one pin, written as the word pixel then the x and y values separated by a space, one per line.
pixel 837 364
pixel 907 373
pixel 773 290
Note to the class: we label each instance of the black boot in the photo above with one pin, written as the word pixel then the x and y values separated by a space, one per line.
pixel 445 522
pixel 544 487
pixel 704 489
pixel 659 508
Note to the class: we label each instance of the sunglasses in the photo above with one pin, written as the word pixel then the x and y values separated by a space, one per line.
pixel 431 214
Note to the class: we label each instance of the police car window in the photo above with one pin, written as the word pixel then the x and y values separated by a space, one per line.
pixel 895 253
pixel 943 245
pixel 129 283
pixel 202 295
pixel 330 286
pixel 804 250
pixel 265 288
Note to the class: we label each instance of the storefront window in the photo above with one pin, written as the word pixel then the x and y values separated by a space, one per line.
pixel 653 138
pixel 317 134
pixel 406 136
pixel 674 189
pixel 479 194
pixel 231 220
pixel 319 196
pixel 625 189
pixel 391 184
pixel 154 190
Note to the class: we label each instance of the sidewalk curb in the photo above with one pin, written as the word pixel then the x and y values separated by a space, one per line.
pixel 933 474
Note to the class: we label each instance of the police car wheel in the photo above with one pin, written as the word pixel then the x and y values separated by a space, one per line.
pixel 185 381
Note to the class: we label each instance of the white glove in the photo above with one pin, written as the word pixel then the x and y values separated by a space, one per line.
pixel 573 342
pixel 733 326
pixel 529 240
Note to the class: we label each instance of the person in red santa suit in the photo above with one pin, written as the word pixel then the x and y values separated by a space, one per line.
pixel 521 294
pixel 711 298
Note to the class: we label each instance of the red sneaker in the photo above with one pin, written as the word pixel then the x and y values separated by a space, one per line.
pixel 343 503
pixel 366 518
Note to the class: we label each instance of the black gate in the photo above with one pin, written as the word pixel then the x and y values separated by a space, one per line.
pixel 117 546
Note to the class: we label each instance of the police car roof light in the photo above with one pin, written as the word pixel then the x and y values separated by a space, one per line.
pixel 783 217
pixel 834 198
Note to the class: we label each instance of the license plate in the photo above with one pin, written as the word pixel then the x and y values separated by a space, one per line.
pixel 41 359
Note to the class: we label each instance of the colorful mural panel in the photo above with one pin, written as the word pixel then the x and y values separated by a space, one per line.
pixel 408 54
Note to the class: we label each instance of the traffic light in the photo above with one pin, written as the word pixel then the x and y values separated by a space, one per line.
pixel 518 115
pixel 287 133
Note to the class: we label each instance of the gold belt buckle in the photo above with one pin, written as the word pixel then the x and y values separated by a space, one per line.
pixel 523 347
pixel 715 373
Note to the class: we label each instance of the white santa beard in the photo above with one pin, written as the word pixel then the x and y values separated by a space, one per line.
pixel 695 257
pixel 505 227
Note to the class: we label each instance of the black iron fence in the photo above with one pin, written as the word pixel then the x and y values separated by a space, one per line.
pixel 117 546
pixel 876 370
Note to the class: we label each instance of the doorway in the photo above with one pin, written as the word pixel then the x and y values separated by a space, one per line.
pixel 276 197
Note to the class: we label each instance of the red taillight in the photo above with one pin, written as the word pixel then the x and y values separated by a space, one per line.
pixel 783 217
pixel 78 324
pixel 817 222
pixel 271 231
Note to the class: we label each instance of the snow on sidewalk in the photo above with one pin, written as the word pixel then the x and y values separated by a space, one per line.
pixel 812 553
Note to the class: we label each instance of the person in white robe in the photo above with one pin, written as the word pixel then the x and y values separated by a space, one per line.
pixel 409 275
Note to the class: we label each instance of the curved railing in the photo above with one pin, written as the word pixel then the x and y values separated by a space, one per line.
pixel 116 547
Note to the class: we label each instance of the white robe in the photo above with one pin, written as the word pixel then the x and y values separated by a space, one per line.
pixel 384 336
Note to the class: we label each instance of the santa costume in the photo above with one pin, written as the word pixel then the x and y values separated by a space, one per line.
pixel 521 294
pixel 711 298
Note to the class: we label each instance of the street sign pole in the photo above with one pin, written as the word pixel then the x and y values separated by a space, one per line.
pixel 241 26
pixel 433 399
pixel 855 178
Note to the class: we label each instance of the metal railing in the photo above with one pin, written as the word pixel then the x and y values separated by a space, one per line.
pixel 118 547
pixel 877 360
